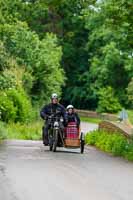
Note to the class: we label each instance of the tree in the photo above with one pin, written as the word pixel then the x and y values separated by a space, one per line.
pixel 110 45
pixel 88 41
pixel 130 93
pixel 40 58
pixel 107 101
pixel 64 19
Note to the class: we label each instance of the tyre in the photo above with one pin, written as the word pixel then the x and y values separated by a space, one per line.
pixel 51 147
pixel 82 143
pixel 55 141
pixel 82 146
pixel 50 142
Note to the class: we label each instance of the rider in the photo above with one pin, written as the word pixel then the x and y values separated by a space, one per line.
pixel 49 110
pixel 72 116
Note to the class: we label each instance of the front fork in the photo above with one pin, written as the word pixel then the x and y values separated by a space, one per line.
pixel 53 135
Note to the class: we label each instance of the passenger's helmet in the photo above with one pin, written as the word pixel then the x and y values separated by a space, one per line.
pixel 54 96
pixel 70 107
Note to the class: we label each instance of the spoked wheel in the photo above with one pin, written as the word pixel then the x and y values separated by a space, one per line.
pixel 82 143
pixel 50 142
pixel 55 141
pixel 51 147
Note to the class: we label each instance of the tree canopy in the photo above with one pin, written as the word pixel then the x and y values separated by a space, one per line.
pixel 81 49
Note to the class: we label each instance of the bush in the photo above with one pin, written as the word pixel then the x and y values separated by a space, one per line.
pixel 91 138
pixel 119 145
pixel 3 131
pixel 128 153
pixel 130 93
pixel 6 81
pixel 31 131
pixel 7 108
pixel 22 105
pixel 113 143
pixel 107 101
pixel 15 106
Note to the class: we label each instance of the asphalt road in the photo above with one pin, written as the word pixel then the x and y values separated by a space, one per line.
pixel 85 127
pixel 28 171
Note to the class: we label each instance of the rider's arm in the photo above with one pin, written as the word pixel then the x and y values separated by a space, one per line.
pixel 63 112
pixel 78 119
pixel 43 112
pixel 66 119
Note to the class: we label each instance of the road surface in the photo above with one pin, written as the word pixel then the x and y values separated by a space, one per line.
pixel 28 171
pixel 85 127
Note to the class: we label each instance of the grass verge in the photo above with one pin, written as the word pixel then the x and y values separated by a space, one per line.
pixel 130 116
pixel 30 131
pixel 90 120
pixel 3 131
pixel 114 143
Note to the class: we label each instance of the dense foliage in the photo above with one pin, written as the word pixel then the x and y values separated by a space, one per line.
pixel 113 143
pixel 81 49
pixel 110 46
pixel 107 101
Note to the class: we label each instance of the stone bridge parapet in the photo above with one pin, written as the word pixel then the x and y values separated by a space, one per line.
pixel 117 127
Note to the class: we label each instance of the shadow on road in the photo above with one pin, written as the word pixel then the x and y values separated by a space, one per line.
pixel 64 151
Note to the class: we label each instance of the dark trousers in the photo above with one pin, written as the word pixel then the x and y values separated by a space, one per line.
pixel 45 134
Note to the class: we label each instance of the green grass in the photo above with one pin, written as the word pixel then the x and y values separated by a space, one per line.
pixel 91 120
pixel 113 143
pixel 31 131
pixel 3 131
pixel 130 115
pixel 97 120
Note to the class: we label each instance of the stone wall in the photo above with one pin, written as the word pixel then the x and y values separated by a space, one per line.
pixel 116 127
pixel 92 114
pixel 109 122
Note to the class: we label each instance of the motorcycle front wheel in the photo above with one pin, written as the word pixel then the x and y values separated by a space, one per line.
pixel 50 141
pixel 51 147
pixel 55 142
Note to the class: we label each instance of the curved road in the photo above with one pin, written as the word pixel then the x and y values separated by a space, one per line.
pixel 28 171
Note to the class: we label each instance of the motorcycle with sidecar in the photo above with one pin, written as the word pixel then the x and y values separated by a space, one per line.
pixel 59 136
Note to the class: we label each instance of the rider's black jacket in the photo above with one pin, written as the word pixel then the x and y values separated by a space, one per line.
pixel 73 117
pixel 50 109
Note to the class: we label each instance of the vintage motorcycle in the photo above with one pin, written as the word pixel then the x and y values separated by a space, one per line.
pixel 55 132
pixel 59 136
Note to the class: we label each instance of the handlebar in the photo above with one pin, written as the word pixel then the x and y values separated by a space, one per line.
pixel 54 118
